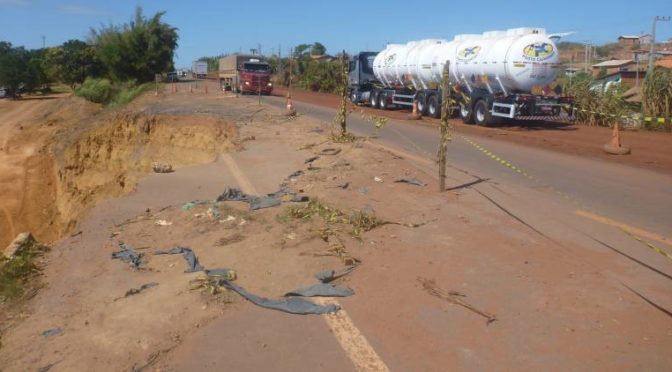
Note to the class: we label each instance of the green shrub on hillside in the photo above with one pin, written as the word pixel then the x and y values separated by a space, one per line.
pixel 128 92
pixel 95 90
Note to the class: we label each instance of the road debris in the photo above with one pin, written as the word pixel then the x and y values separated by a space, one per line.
pixel 411 181
pixel 453 297
pixel 378 179
pixel 162 168
pixel 343 185
pixel 292 305
pixel 321 290
pixel 311 159
pixel 329 151
pixel 331 275
pixel 129 255
pixel 226 274
pixel 52 332
pixel 189 256
pixel 134 291
pixel 163 223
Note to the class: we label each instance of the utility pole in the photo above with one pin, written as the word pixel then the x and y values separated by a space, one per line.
pixel 44 43
pixel 653 41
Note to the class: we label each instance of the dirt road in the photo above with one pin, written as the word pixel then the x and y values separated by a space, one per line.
pixel 564 298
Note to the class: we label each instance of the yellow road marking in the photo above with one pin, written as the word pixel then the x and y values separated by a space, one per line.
pixel 343 328
pixel 352 340
pixel 632 229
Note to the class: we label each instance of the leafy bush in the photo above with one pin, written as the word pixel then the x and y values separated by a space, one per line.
pixel 128 92
pixel 657 92
pixel 321 76
pixel 95 90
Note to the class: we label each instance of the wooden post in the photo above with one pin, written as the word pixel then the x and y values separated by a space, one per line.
pixel 445 135
pixel 344 94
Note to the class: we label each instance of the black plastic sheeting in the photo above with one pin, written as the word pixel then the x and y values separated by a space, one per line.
pixel 292 305
pixel 128 254
pixel 189 256
pixel 330 275
pixel 411 181
pixel 321 290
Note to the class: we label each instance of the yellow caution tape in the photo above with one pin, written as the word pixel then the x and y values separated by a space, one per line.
pixel 651 246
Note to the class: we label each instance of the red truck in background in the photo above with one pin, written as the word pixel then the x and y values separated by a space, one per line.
pixel 245 74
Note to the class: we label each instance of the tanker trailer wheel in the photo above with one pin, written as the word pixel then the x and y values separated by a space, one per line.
pixel 466 114
pixel 382 101
pixel 433 106
pixel 422 103
pixel 373 98
pixel 482 115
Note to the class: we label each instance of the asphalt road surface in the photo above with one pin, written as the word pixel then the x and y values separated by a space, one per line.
pixel 624 195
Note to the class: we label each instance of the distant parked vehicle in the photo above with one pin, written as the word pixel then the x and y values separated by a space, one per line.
pixel 3 93
pixel 172 77
pixel 200 69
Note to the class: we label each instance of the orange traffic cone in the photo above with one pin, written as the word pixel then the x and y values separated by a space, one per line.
pixel 614 146
pixel 290 107
pixel 415 115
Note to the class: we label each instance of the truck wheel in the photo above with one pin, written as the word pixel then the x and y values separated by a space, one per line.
pixel 354 97
pixel 482 115
pixel 422 103
pixel 433 106
pixel 466 114
pixel 373 98
pixel 382 101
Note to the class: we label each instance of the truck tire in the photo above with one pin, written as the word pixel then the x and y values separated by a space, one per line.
pixel 433 106
pixel 382 101
pixel 482 115
pixel 467 114
pixel 354 97
pixel 422 103
pixel 373 99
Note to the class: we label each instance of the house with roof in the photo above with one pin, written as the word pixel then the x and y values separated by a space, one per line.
pixel 612 66
pixel 631 40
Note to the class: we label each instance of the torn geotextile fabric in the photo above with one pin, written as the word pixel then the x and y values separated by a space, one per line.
pixel 411 181
pixel 292 305
pixel 189 256
pixel 255 202
pixel 329 275
pixel 321 290
pixel 128 254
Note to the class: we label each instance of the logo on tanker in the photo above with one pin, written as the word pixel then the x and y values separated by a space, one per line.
pixel 467 54
pixel 389 59
pixel 538 51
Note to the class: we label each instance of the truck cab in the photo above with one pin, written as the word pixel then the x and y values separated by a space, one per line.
pixel 255 77
pixel 360 76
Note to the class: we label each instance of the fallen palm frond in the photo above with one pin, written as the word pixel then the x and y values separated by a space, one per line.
pixel 453 297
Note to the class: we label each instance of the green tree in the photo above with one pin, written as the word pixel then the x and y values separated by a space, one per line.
pixel 15 70
pixel 137 50
pixel 317 49
pixel 73 62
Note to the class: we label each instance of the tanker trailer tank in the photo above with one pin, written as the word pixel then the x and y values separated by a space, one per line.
pixel 500 68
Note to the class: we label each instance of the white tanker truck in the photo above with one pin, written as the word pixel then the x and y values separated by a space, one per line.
pixel 498 71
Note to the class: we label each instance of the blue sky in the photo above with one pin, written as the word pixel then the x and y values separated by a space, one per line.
pixel 210 27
